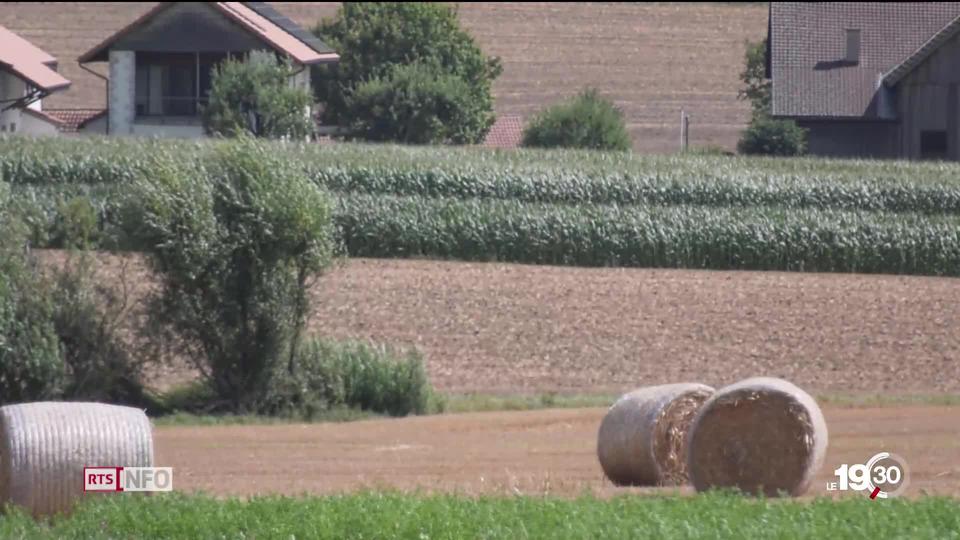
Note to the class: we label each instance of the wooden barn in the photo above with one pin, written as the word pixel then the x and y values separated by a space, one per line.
pixel 868 79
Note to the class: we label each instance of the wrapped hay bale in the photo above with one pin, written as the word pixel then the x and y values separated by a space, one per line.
pixel 642 439
pixel 761 435
pixel 45 446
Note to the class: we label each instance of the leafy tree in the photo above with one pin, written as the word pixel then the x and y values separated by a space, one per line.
pixel 255 96
pixel 756 85
pixel 235 241
pixel 414 104
pixel 585 121
pixel 374 38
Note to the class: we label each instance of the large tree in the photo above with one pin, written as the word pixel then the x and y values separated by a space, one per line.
pixel 374 39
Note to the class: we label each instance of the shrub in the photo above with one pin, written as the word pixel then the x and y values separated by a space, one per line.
pixel 771 137
pixel 359 375
pixel 586 121
pixel 255 96
pixel 76 225
pixel 415 104
pixel 235 242
pixel 99 365
pixel 374 38
pixel 31 367
pixel 30 363
pixel 56 341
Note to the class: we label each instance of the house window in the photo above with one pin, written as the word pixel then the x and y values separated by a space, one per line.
pixel 933 144
pixel 173 84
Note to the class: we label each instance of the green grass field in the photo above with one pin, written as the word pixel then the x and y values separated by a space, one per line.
pixel 393 515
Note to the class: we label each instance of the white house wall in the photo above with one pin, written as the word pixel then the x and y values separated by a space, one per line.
pixel 122 92
pixel 11 87
pixel 37 127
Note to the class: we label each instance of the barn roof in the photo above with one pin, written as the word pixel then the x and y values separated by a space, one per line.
pixel 30 63
pixel 807 49
pixel 282 34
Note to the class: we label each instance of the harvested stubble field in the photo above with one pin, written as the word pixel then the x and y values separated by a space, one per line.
pixel 532 329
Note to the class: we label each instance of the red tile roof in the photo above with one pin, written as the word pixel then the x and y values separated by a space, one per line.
pixel 29 62
pixel 506 132
pixel 43 115
pixel 267 30
pixel 71 120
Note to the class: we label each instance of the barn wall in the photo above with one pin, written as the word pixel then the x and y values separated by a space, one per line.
pixel 928 100
pixel 852 139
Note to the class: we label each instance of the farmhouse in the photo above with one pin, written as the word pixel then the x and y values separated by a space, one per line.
pixel 160 65
pixel 27 75
pixel 870 79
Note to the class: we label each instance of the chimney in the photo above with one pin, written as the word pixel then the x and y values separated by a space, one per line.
pixel 853 46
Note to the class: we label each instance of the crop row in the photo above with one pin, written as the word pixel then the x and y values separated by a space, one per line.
pixel 609 235
pixel 532 177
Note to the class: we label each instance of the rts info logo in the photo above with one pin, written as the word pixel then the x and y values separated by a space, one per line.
pixel 883 476
pixel 127 479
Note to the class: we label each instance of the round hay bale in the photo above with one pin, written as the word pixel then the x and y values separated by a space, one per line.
pixel 761 435
pixel 44 447
pixel 642 439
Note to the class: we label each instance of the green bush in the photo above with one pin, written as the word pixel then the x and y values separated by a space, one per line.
pixel 76 225
pixel 55 340
pixel 235 241
pixel 31 366
pixel 415 104
pixel 772 137
pixel 374 38
pixel 358 375
pixel 255 96
pixel 587 121
pixel 99 365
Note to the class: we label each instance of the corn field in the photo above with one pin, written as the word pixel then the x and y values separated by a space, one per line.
pixel 569 207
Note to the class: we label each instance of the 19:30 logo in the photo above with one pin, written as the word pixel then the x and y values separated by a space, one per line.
pixel 883 476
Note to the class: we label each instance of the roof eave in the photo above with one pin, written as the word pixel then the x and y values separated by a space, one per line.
pixel 49 88
pixel 331 58
pixel 97 53
pixel 897 73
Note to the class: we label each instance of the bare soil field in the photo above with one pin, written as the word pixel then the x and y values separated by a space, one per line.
pixel 519 329
pixel 531 453
pixel 652 59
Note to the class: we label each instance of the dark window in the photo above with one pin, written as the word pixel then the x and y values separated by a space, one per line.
pixel 933 144
pixel 173 84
